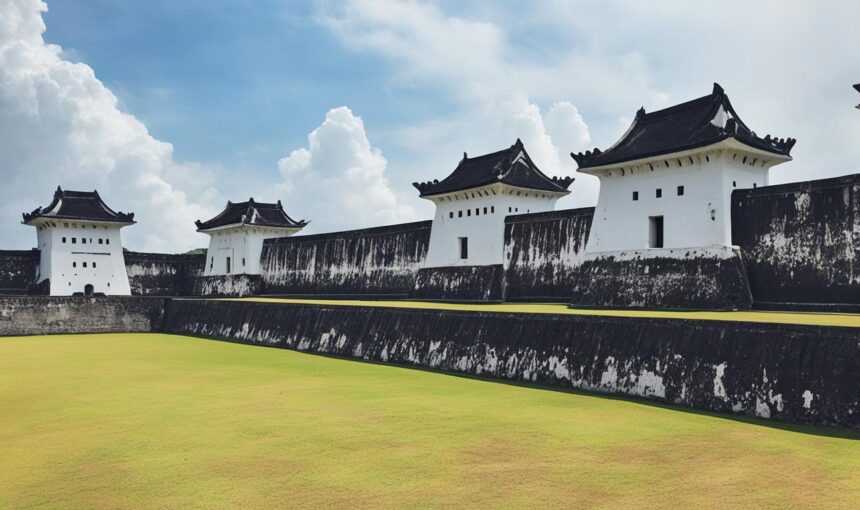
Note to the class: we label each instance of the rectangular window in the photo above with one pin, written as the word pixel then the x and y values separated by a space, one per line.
pixel 74 240
pixel 477 211
pixel 655 232
pixel 680 191
pixel 74 264
pixel 464 247
pixel 228 264
pixel 493 209
pixel 107 241
pixel 64 240
pixel 243 261
pixel 635 196
pixel 659 192
pixel 94 265
pixel 101 241
pixel 85 264
pixel 451 214
pixel 468 212
pixel 211 262
pixel 83 240
pixel 459 214
pixel 485 210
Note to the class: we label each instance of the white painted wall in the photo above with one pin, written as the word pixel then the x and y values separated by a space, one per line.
pixel 77 253
pixel 243 244
pixel 462 214
pixel 699 218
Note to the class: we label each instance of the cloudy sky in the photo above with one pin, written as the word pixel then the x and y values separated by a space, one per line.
pixel 170 109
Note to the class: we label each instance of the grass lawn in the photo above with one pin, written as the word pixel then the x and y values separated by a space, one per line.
pixel 158 421
pixel 848 320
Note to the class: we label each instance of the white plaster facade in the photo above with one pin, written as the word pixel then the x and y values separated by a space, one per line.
pixel 77 254
pixel 478 215
pixel 699 215
pixel 237 249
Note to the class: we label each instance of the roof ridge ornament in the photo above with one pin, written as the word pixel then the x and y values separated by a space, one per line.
pixel 640 112
pixel 718 90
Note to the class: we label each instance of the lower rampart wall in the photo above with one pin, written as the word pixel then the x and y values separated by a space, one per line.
pixel 57 315
pixel 803 374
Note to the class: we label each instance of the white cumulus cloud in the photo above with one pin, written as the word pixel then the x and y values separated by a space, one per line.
pixel 339 181
pixel 60 125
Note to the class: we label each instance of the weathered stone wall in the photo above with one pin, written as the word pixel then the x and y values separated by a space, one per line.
pixel 801 241
pixel 231 285
pixel 698 279
pixel 31 315
pixel 793 373
pixel 158 274
pixel 18 270
pixel 543 252
pixel 369 262
pixel 461 283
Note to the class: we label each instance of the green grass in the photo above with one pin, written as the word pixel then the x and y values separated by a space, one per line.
pixel 157 421
pixel 848 320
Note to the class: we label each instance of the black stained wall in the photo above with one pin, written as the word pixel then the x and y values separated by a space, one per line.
pixel 801 241
pixel 18 270
pixel 804 374
pixel 31 315
pixel 543 252
pixel 157 274
pixel 382 261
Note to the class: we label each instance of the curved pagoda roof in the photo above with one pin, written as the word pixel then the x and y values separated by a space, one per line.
pixel 251 213
pixel 511 166
pixel 686 126
pixel 79 206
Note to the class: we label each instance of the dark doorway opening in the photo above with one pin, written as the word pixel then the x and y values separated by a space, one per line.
pixel 655 232
pixel 88 289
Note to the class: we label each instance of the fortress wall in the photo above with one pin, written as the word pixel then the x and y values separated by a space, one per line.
pixel 803 374
pixel 18 270
pixel 543 252
pixel 33 315
pixel 369 262
pixel 801 241
pixel 157 274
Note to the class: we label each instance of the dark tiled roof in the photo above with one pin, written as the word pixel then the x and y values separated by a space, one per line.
pixel 505 166
pixel 251 213
pixel 682 127
pixel 79 205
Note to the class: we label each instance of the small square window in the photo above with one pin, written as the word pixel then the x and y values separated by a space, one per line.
pixel 635 196
pixel 83 240
pixel 680 191
pixel 101 241
pixel 74 240
pixel 459 214
pixel 64 240
pixel 451 214
pixel 85 264
pixel 659 192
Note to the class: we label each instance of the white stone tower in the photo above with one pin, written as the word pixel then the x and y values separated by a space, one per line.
pixel 80 245
pixel 236 236
pixel 471 205
pixel 666 184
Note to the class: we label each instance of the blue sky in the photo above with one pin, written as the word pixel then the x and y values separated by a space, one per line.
pixel 336 106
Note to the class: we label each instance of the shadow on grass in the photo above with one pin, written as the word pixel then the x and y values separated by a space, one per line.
pixel 816 430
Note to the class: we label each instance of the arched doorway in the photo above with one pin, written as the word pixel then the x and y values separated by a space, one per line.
pixel 88 289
